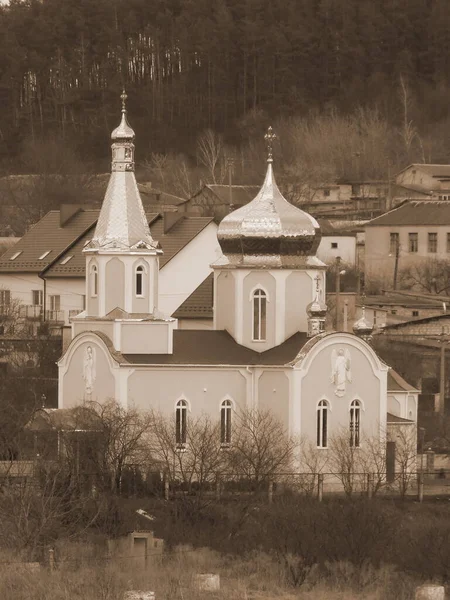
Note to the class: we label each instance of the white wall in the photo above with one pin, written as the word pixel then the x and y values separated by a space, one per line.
pixel 187 270
pixel 346 249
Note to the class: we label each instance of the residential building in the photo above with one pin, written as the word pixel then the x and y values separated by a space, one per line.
pixel 431 178
pixel 216 200
pixel 408 235
pixel 267 349
pixel 45 270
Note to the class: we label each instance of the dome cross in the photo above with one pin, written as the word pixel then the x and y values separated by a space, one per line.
pixel 123 97
pixel 270 137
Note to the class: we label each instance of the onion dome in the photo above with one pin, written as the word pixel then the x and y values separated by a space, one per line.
pixel 123 131
pixel 362 327
pixel 316 308
pixel 269 225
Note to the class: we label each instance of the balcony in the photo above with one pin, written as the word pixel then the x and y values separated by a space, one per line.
pixel 55 316
pixel 30 311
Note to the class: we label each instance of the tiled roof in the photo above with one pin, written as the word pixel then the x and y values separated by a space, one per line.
pixel 396 383
pixel 178 236
pixel 327 228
pixel 424 320
pixel 390 300
pixel 70 240
pixel 416 212
pixel 46 235
pixel 209 347
pixel 200 302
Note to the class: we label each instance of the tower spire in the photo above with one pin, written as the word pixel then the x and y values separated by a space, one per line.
pixel 270 137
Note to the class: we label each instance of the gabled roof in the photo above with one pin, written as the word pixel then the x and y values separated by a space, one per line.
pixel 328 228
pixel 394 419
pixel 200 302
pixel 415 322
pixel 209 347
pixel 70 240
pixel 434 170
pixel 415 212
pixel 46 235
pixel 242 194
pixel 396 383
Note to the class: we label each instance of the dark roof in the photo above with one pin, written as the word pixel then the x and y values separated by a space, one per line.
pixel 70 240
pixel 394 419
pixel 242 194
pixel 151 195
pixel 46 235
pixel 328 228
pixel 416 212
pixel 200 302
pixel 424 320
pixel 209 347
pixel 406 301
pixel 396 383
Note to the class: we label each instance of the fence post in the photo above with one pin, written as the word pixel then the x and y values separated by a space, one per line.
pixel 369 485
pixel 270 491
pixel 420 487
pixel 320 486
pixel 51 560
pixel 218 488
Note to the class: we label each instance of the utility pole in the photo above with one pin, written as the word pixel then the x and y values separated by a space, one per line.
pixel 442 376
pixel 338 290
pixel 230 163
pixel 397 256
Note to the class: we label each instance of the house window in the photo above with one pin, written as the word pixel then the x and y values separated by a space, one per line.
pixel 334 244
pixel 374 318
pixel 140 281
pixel 55 302
pixel 5 297
pixel 394 311
pixel 322 424
pixel 355 421
pixel 66 260
pixel 37 297
pixel 259 315
pixel 394 241
pixel 413 242
pixel 326 192
pixel 432 242
pixel 16 254
pixel 181 423
pixel 94 281
pixel 225 423
pixel 415 313
pixel 44 255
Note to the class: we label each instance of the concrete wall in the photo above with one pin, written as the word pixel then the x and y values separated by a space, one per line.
pixel 188 269
pixel 225 309
pixel 300 290
pixel 115 276
pixel 346 249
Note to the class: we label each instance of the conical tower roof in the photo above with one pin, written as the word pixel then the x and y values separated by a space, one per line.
pixel 122 224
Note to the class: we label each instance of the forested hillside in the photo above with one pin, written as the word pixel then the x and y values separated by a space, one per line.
pixel 228 65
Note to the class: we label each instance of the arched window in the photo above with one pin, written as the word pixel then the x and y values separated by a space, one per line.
pixel 355 421
pixel 139 281
pixel 225 422
pixel 94 281
pixel 259 315
pixel 322 424
pixel 181 422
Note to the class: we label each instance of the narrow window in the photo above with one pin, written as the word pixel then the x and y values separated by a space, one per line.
pixel 181 423
pixel 355 419
pixel 432 242
pixel 55 303
pixel 415 313
pixel 322 424
pixel 38 297
pixel 94 281
pixel 334 244
pixel 225 423
pixel 259 315
pixel 413 242
pixel 140 281
pixel 393 243
pixel 5 297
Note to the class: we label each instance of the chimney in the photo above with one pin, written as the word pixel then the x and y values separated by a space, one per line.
pixel 170 219
pixel 67 211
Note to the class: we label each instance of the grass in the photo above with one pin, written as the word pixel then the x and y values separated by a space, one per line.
pixel 256 576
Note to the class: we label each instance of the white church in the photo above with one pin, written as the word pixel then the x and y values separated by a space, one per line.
pixel 268 348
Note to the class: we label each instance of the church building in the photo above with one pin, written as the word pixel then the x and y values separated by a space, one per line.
pixel 268 348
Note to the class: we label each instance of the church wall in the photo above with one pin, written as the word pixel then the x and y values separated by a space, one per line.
pixel 73 382
pixel 299 293
pixel 273 395
pixel 226 304
pixel 92 302
pixel 140 305
pixel 115 277
pixel 145 338
pixel 394 405
pixel 317 385
pixel 105 327
pixel 204 389
pixel 252 281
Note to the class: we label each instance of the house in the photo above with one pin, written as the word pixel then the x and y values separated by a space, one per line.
pixel 45 270
pixel 267 349
pixel 216 200
pixel 406 236
pixel 431 178
pixel 337 241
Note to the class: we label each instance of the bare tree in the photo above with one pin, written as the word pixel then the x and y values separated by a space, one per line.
pixel 313 461
pixel 405 438
pixel 343 460
pixel 431 275
pixel 261 448
pixel 210 152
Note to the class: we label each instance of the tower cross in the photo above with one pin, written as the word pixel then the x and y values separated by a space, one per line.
pixel 123 97
pixel 270 137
